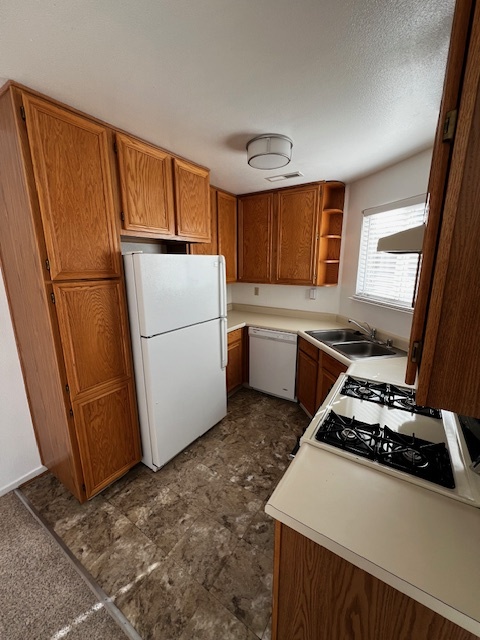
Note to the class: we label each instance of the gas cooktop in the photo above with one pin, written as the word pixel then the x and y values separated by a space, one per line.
pixel 380 425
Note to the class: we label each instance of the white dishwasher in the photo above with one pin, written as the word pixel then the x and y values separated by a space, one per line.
pixel 273 361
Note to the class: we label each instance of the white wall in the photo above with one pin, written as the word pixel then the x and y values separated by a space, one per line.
pixel 287 297
pixel 402 180
pixel 19 457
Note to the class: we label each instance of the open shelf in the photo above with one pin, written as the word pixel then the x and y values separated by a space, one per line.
pixel 331 222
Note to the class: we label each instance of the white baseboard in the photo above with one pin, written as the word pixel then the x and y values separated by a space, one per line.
pixel 16 483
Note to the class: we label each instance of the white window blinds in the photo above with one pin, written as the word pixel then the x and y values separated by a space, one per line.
pixel 387 278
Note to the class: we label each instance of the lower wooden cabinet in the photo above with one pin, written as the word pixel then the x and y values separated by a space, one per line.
pixel 319 596
pixel 307 375
pixel 317 372
pixel 108 445
pixel 236 359
pixel 331 369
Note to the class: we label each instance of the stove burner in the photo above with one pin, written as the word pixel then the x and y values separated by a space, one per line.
pixel 407 402
pixel 414 458
pixel 348 434
pixel 364 392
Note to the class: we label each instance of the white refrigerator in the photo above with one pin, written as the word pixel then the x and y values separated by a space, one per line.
pixel 177 307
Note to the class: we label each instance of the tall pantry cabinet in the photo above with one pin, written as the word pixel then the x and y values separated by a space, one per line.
pixel 62 267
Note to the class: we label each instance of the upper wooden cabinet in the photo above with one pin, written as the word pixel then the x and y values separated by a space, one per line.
pixel 445 336
pixel 255 233
pixel 209 248
pixel 192 201
pixel 146 184
pixel 223 218
pixel 162 196
pixel 227 232
pixel 70 156
pixel 296 235
pixel 292 236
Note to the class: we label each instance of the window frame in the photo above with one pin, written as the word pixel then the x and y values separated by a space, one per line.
pixel 365 251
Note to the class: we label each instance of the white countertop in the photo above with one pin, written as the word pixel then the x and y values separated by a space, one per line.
pixel 385 369
pixel 420 542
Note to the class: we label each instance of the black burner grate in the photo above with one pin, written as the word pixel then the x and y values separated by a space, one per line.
pixel 386 394
pixel 427 460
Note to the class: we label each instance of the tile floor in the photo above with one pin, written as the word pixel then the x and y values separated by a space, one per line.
pixel 187 552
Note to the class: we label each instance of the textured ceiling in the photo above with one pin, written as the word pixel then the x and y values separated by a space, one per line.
pixel 355 83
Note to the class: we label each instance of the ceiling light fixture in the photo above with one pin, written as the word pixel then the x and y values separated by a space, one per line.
pixel 269 151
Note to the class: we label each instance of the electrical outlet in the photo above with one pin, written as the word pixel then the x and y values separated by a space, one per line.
pixel 256 291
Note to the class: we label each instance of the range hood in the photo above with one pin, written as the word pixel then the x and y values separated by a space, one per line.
pixel 408 241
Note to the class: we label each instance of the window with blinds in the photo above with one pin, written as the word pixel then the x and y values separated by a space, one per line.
pixel 387 278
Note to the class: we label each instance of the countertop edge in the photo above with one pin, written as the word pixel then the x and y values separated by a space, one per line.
pixel 442 608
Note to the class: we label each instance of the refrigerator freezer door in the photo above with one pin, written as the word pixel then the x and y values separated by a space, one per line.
pixel 175 291
pixel 184 388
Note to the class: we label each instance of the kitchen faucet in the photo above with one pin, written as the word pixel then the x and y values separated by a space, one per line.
pixel 365 327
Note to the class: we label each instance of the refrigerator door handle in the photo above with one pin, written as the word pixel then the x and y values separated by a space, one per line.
pixel 223 340
pixel 222 273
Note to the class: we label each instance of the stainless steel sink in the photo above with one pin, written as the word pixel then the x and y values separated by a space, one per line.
pixel 336 335
pixel 363 349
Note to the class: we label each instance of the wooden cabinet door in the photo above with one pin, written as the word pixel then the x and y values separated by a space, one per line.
pixel 330 369
pixel 209 248
pixel 192 201
pixel 255 215
pixel 72 169
pixel 107 432
pixel 146 182
pixel 307 373
pixel 326 380
pixel 449 374
pixel 227 232
pixel 438 179
pixel 235 360
pixel 93 328
pixel 296 225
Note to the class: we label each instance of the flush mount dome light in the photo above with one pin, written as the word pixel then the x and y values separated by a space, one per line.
pixel 269 151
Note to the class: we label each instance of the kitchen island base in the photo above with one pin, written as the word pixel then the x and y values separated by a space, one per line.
pixel 318 595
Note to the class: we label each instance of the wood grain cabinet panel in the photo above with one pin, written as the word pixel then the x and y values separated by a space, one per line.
pixel 296 235
pixel 227 232
pixel 108 445
pixel 320 596
pixel 72 169
pixel 307 375
pixel 255 217
pixel 209 248
pixel 445 322
pixel 192 201
pixel 70 324
pixel 291 236
pixel 235 371
pixel 223 216
pixel 146 182
pixel 93 327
